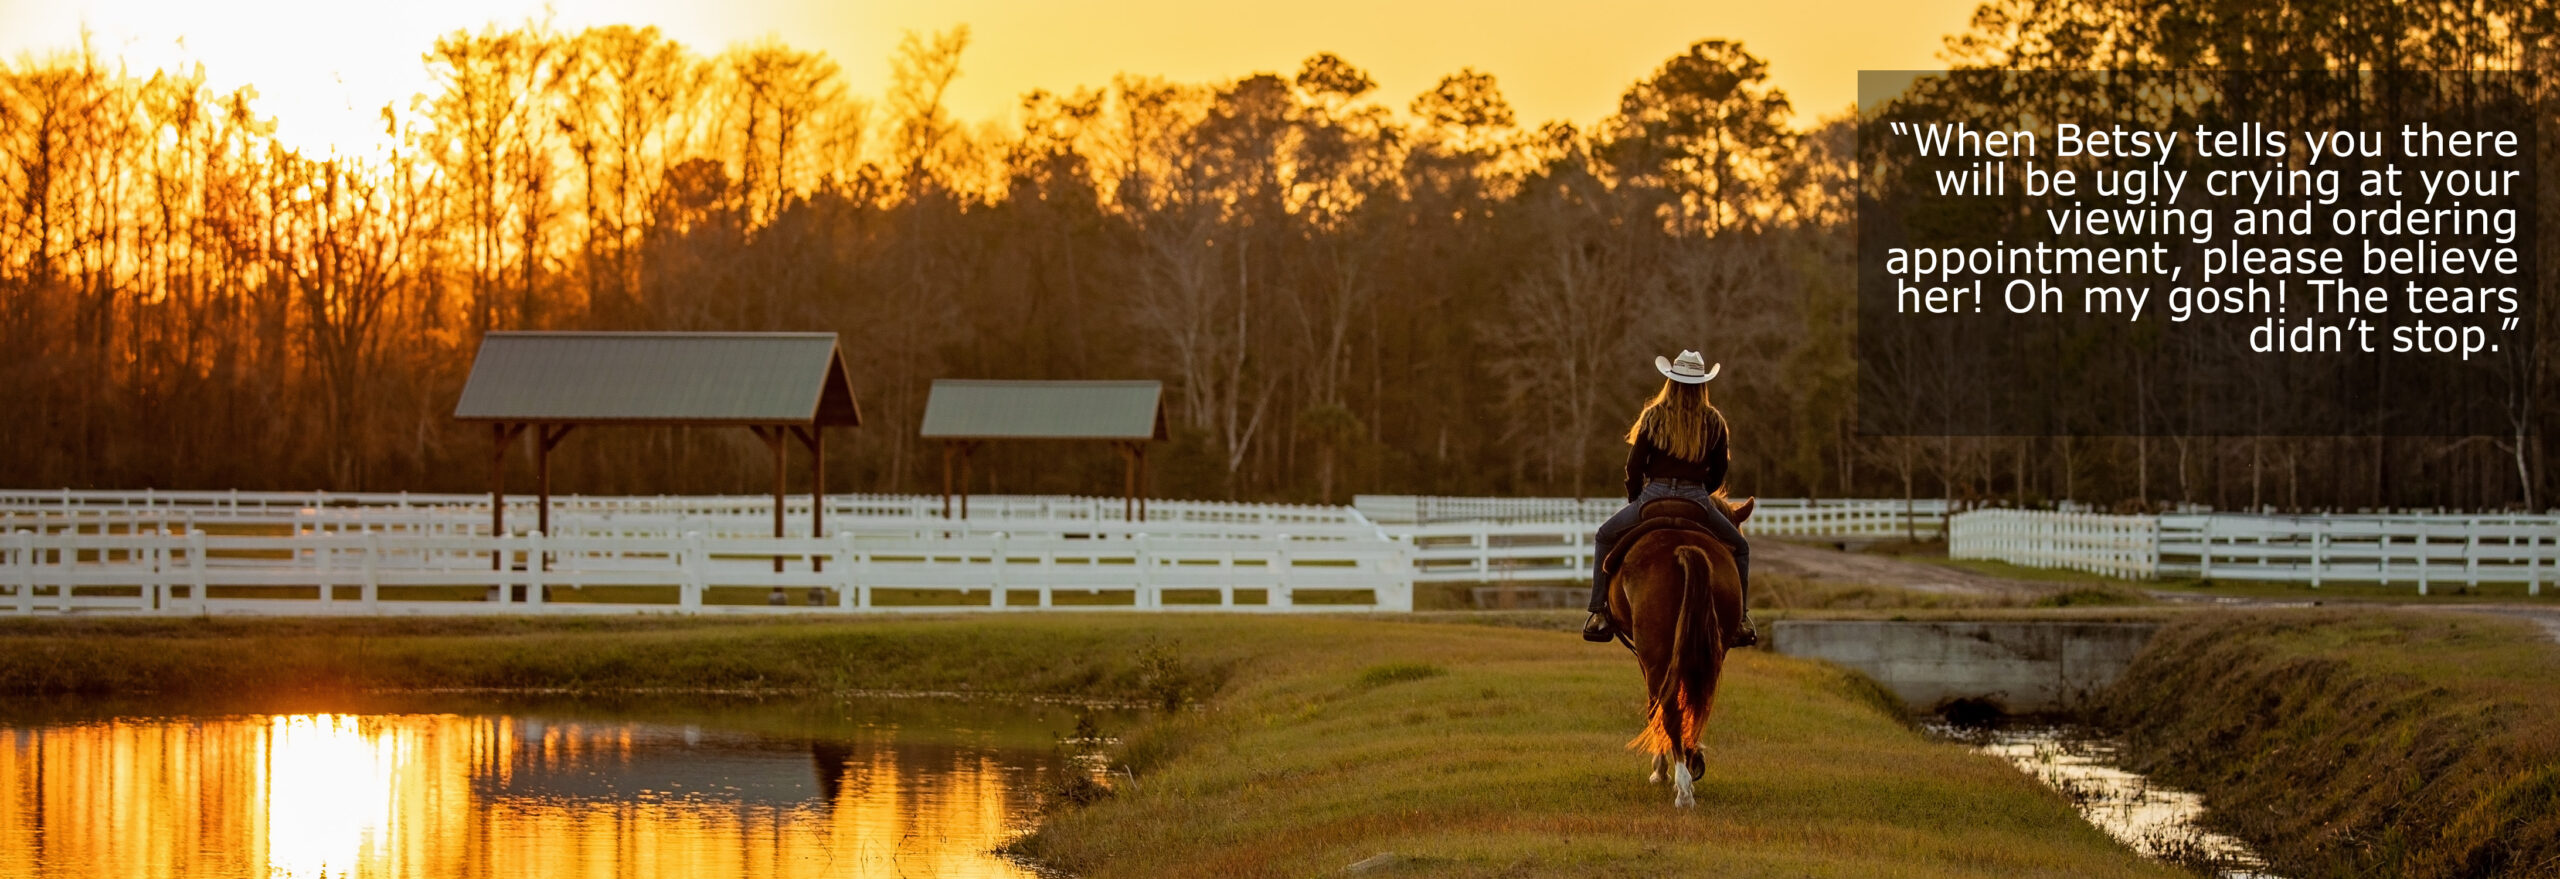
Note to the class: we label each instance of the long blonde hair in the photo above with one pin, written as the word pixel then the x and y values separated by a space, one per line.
pixel 1680 420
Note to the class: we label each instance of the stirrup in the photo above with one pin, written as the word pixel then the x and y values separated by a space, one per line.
pixel 1743 635
pixel 1599 629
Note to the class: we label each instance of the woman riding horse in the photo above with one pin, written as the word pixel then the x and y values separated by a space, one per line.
pixel 1677 449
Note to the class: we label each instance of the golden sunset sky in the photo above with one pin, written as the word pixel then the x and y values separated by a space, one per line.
pixel 325 69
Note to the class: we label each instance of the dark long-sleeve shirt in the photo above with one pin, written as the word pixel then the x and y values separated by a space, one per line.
pixel 1646 460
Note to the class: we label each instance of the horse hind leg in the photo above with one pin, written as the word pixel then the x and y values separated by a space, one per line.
pixel 1683 791
pixel 1658 762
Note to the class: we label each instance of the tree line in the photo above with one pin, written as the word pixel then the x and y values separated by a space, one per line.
pixel 1344 291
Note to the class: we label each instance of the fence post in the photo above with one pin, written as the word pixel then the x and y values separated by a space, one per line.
pixel 536 564
pixel 1398 569
pixel 689 598
pixel 2204 563
pixel 1146 563
pixel 2319 547
pixel 1048 574
pixel 2382 561
pixel 1283 591
pixel 26 557
pixel 322 551
pixel 2423 545
pixel 996 596
pixel 195 567
pixel 2533 563
pixel 155 589
pixel 846 583
pixel 372 575
pixel 2471 554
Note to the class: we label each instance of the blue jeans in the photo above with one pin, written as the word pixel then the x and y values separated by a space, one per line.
pixel 1627 516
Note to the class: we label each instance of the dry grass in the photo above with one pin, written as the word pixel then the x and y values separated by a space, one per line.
pixel 2359 743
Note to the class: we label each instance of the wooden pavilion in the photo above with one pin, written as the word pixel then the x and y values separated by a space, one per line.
pixel 779 385
pixel 964 414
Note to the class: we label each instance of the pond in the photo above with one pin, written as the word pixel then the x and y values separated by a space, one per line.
pixel 887 787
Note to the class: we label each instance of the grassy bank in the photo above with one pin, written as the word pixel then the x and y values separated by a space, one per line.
pixel 2359 743
pixel 1308 744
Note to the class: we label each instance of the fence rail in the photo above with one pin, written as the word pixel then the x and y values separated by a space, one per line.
pixel 2419 550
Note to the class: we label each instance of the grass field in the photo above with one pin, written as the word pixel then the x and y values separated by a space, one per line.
pixel 1301 745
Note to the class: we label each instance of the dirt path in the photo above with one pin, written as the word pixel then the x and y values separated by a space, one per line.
pixel 1823 563
pixel 2548 617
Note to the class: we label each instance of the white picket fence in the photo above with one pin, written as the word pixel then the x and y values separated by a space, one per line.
pixel 1548 540
pixel 2423 551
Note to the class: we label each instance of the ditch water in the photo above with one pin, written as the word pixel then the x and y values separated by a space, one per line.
pixel 877 787
pixel 2162 823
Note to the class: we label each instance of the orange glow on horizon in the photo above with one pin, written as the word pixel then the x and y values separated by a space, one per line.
pixel 325 73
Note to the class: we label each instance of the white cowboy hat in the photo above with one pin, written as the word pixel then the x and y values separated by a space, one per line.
pixel 1690 369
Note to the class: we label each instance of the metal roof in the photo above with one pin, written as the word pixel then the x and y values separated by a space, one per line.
pixel 660 378
pixel 1085 410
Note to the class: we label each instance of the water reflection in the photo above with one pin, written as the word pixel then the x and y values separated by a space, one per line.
pixel 2160 822
pixel 472 795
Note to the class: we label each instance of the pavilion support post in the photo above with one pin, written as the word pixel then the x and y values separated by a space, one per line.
pixel 966 451
pixel 1141 468
pixel 773 437
pixel 814 438
pixel 1128 481
pixel 547 439
pixel 500 435
pixel 551 437
pixel 956 452
pixel 949 450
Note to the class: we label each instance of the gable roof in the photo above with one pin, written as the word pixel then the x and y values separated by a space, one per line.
pixel 660 378
pixel 970 409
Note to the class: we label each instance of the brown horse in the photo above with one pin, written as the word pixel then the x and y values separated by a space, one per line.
pixel 1674 593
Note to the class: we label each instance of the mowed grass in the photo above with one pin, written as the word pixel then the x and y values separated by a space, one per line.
pixel 1477 751
pixel 1296 746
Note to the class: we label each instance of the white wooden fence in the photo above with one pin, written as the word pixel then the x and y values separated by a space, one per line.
pixel 308 553
pixel 2117 546
pixel 316 552
pixel 2423 551
pixel 1548 540
pixel 377 572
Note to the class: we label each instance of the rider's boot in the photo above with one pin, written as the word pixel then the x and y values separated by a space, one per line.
pixel 1598 628
pixel 1744 634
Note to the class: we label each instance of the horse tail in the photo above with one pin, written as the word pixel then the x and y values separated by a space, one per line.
pixel 1696 682
pixel 1662 721
pixel 1672 714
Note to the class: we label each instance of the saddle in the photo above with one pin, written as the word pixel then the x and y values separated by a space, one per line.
pixel 1660 514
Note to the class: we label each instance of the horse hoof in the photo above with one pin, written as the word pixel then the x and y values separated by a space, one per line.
pixel 1656 777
